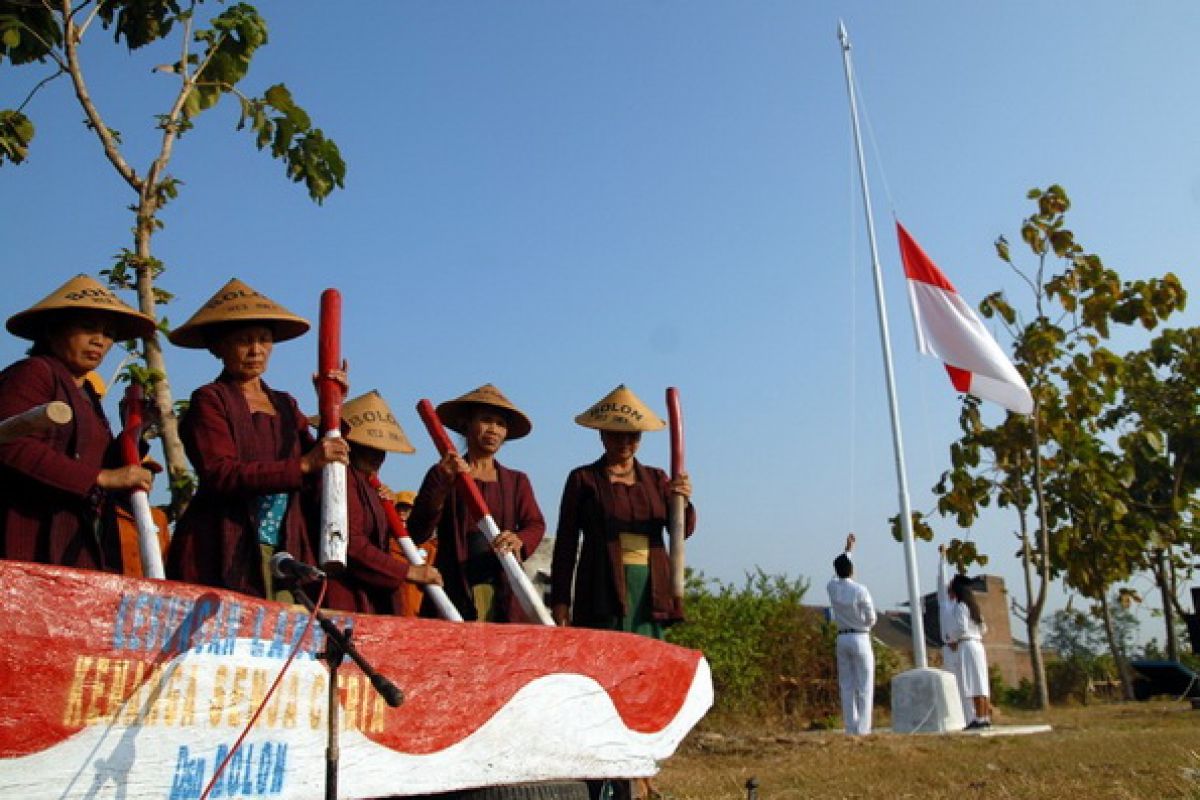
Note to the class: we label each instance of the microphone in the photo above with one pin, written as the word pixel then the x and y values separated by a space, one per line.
pixel 284 566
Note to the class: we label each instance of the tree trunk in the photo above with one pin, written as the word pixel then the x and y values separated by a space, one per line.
pixel 1041 691
pixel 1162 579
pixel 177 463
pixel 1114 647
pixel 147 207
pixel 1034 610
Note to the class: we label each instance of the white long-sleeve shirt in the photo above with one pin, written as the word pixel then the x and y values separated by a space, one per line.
pixel 851 605
pixel 963 627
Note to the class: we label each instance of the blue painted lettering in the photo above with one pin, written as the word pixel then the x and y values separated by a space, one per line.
pixel 137 619
pixel 278 647
pixel 256 646
pixel 202 630
pixel 189 776
pixel 119 624
pixel 254 770
pixel 156 613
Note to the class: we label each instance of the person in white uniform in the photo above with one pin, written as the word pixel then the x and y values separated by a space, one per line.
pixel 950 659
pixel 854 614
pixel 966 637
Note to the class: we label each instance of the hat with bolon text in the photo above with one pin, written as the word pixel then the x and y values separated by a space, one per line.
pixel 367 420
pixel 79 296
pixel 236 304
pixel 620 410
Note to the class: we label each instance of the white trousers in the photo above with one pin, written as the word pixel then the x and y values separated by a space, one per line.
pixel 952 664
pixel 856 681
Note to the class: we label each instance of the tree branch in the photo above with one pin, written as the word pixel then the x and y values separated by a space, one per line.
pixel 91 17
pixel 75 70
pixel 40 84
pixel 171 128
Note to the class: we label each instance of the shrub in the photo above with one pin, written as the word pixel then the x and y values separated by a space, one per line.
pixel 770 655
pixel 1067 680
pixel 1019 696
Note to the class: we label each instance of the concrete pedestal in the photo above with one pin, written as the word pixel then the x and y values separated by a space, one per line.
pixel 926 701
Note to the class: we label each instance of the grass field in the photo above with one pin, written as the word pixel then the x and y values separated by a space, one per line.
pixel 1122 750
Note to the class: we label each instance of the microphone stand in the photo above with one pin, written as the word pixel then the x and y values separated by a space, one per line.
pixel 337 647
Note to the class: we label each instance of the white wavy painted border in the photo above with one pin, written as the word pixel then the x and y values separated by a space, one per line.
pixel 559 726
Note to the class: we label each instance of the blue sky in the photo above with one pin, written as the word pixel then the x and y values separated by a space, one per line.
pixel 558 197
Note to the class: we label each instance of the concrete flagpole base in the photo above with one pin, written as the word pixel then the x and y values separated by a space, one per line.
pixel 926 701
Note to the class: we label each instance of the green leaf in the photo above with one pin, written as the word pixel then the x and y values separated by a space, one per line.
pixel 28 32
pixel 16 132
pixel 139 22
pixel 1002 249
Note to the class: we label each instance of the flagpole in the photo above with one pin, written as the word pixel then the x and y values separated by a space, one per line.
pixel 910 550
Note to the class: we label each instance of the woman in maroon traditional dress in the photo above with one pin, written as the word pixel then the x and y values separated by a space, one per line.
pixel 373 577
pixel 251 449
pixel 622 575
pixel 53 486
pixel 472 573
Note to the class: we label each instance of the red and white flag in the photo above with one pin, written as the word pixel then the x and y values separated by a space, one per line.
pixel 948 328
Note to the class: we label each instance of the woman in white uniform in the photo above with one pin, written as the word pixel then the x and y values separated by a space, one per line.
pixel 946 606
pixel 966 638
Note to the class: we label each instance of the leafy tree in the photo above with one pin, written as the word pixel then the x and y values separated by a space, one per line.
pixel 1074 634
pixel 1158 421
pixel 215 56
pixel 1093 548
pixel 1031 464
pixel 1080 638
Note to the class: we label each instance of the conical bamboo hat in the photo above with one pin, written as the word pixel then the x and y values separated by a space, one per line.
pixel 81 293
pixel 236 302
pixel 456 413
pixel 620 410
pixel 367 420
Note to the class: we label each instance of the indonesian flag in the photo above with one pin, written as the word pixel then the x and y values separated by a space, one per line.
pixel 949 329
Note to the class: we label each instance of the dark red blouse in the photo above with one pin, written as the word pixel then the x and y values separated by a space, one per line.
pixel 440 508
pixel 50 508
pixel 238 456
pixel 598 510
pixel 372 576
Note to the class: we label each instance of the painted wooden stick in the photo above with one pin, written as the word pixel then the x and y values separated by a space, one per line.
pixel 139 501
pixel 334 523
pixel 522 587
pixel 400 532
pixel 35 420
pixel 677 510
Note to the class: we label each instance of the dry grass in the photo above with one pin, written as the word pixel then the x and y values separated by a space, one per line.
pixel 1137 750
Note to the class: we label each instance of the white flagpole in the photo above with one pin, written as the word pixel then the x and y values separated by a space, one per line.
pixel 910 551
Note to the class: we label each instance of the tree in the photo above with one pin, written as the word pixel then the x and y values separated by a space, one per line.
pixel 1057 349
pixel 1079 641
pixel 1158 421
pixel 1093 548
pixel 1073 634
pixel 213 61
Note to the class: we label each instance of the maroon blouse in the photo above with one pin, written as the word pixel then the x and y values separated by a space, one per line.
pixel 51 510
pixel 599 510
pixel 372 575
pixel 440 508
pixel 238 456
